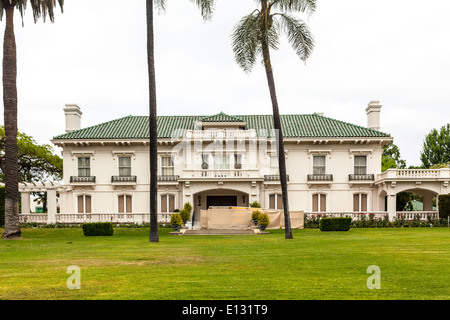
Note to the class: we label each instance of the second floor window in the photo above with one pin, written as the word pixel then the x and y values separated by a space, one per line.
pixel 274 165
pixel 124 166
pixel 360 165
pixel 167 166
pixel 221 161
pixel 84 167
pixel 319 167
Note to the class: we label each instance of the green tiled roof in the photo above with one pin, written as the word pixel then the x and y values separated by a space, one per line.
pixel 221 117
pixel 293 126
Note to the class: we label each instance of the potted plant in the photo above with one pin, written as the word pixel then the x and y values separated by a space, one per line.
pixel 185 215
pixel 263 221
pixel 255 217
pixel 176 221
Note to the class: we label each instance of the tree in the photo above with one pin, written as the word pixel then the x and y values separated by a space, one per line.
pixel 257 33
pixel 36 162
pixel 206 7
pixel 41 9
pixel 391 157
pixel 436 147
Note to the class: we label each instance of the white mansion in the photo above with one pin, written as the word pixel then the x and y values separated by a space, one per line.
pixel 227 160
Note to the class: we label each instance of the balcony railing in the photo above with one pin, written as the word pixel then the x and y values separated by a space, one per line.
pixel 361 177
pixel 274 177
pixel 123 179
pixel 220 134
pixel 77 179
pixel 168 178
pixel 320 177
pixel 221 173
pixel 415 174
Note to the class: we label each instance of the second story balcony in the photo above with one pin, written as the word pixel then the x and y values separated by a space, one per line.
pixel 125 179
pixel 81 180
pixel 220 174
pixel 320 177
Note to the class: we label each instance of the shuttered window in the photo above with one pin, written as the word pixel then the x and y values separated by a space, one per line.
pixel 167 203
pixel 360 202
pixel 319 203
pixel 84 204
pixel 125 204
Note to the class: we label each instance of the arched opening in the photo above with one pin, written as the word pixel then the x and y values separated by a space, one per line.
pixel 218 198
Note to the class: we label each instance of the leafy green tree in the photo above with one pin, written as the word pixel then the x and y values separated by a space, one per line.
pixel 206 7
pixel 36 162
pixel 436 147
pixel 41 9
pixel 257 33
pixel 391 158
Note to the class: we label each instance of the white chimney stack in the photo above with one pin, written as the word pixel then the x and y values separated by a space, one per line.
pixel 73 117
pixel 373 115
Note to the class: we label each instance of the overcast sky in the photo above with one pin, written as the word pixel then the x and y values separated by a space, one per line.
pixel 94 55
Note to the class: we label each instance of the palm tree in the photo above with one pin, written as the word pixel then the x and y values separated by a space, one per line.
pixel 41 9
pixel 257 33
pixel 206 7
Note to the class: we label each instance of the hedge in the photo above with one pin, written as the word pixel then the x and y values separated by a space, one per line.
pixel 98 229
pixel 335 224
pixel 444 206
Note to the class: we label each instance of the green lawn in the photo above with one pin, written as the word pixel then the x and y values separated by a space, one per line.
pixel 414 264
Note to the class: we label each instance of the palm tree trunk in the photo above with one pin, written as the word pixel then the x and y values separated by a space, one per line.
pixel 12 225
pixel 153 126
pixel 279 140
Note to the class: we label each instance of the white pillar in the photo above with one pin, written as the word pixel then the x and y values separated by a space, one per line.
pixel 392 206
pixel 25 202
pixel 51 206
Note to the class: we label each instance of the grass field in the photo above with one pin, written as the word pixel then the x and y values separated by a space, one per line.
pixel 414 264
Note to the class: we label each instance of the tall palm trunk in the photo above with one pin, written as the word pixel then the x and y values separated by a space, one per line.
pixel 12 226
pixel 153 125
pixel 277 125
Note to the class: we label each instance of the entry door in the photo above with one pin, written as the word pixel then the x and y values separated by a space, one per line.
pixel 221 201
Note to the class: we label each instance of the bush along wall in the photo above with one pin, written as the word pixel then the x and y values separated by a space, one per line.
pixel 98 229
pixel 2 206
pixel 335 224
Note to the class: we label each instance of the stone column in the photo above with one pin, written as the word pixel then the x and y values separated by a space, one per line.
pixel 392 206
pixel 51 206
pixel 25 202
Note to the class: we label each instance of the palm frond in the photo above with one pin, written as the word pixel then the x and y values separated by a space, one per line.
pixel 298 35
pixel 160 5
pixel 40 8
pixel 206 8
pixel 305 6
pixel 245 42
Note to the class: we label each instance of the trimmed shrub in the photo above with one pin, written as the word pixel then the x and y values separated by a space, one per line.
pixel 444 206
pixel 256 215
pixel 255 204
pixel 176 220
pixel 335 224
pixel 264 220
pixel 185 214
pixel 98 229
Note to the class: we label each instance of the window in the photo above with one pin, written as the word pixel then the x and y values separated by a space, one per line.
pixel 84 204
pixel 84 167
pixel 167 166
pixel 319 165
pixel 274 165
pixel 221 161
pixel 124 166
pixel 359 202
pixel 238 161
pixel 319 202
pixel 205 161
pixel 167 203
pixel 125 204
pixel 360 165
pixel 275 201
